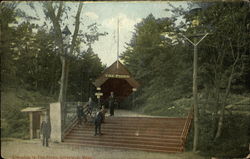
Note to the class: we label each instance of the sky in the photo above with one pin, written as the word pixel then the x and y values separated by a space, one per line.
pixel 106 15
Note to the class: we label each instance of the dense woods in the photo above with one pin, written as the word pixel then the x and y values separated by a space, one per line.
pixel 162 60
pixel 31 68
pixel 157 56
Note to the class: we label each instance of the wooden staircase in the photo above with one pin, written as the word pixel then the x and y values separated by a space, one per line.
pixel 138 133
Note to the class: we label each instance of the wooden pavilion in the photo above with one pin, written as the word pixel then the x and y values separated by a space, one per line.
pixel 116 78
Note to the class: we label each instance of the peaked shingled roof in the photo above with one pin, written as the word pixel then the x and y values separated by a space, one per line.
pixel 116 70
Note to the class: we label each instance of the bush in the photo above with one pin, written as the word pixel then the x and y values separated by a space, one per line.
pixel 233 141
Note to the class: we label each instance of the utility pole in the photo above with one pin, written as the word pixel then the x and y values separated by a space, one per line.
pixel 195 96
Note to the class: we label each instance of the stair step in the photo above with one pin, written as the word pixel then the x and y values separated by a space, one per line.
pixel 156 134
pixel 165 136
pixel 135 138
pixel 145 118
pixel 115 144
pixel 144 124
pixel 168 150
pixel 132 128
pixel 111 131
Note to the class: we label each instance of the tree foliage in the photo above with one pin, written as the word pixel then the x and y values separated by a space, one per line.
pixel 163 64
pixel 31 67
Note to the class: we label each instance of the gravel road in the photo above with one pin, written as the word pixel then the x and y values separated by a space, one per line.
pixel 33 149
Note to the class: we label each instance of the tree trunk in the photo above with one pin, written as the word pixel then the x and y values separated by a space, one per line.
pixel 222 112
pixel 62 92
pixel 53 79
pixel 66 79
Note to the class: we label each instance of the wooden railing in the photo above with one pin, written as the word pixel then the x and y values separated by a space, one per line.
pixel 71 117
pixel 186 127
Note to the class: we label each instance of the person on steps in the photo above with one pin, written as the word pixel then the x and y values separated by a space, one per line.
pixel 111 104
pixel 104 111
pixel 98 123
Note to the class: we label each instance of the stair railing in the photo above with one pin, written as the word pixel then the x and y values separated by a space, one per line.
pixel 186 128
pixel 71 116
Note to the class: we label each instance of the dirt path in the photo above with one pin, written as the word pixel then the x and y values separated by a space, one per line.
pixel 26 149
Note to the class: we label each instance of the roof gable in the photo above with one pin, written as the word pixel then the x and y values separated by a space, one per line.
pixel 116 70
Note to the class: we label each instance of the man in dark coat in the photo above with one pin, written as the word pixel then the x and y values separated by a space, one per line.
pixel 103 111
pixel 111 104
pixel 98 122
pixel 45 131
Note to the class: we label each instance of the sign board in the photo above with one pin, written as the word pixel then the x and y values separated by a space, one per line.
pixel 116 76
pixel 99 94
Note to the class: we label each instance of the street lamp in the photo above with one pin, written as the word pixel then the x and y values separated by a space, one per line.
pixel 195 23
pixel 66 38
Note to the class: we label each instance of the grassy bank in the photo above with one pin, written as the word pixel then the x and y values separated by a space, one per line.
pixel 15 123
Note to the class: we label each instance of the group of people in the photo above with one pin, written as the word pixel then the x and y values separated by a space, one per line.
pixel 100 114
pixel 82 115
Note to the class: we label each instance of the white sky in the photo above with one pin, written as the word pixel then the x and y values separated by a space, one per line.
pixel 106 14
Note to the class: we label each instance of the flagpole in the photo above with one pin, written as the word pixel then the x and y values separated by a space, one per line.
pixel 117 42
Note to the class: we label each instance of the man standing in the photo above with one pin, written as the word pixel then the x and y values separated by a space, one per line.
pixel 103 111
pixel 45 131
pixel 111 104
pixel 98 122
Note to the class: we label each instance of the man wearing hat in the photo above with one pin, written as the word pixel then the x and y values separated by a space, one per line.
pixel 98 123
pixel 45 131
pixel 111 103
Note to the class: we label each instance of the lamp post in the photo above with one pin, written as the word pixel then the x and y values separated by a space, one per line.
pixel 66 43
pixel 134 90
pixel 98 95
pixel 66 38
pixel 195 96
pixel 195 23
pixel 195 43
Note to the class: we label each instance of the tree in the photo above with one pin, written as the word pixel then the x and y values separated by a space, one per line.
pixel 50 11
pixel 7 15
pixel 84 70
pixel 165 68
pixel 30 65
pixel 159 63
pixel 228 43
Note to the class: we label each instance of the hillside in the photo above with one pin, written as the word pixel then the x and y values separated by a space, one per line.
pixel 14 123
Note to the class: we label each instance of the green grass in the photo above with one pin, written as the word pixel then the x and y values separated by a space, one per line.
pixel 15 123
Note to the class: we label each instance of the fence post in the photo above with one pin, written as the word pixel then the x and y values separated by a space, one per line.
pixel 56 122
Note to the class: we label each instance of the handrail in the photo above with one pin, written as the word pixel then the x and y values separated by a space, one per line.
pixel 73 121
pixel 186 126
pixel 70 127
